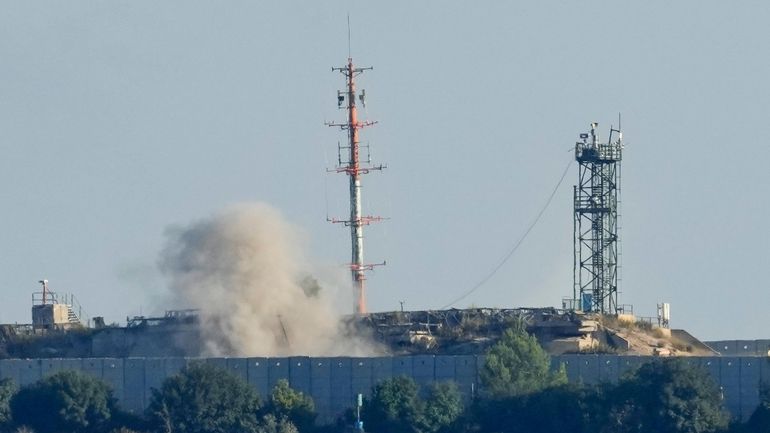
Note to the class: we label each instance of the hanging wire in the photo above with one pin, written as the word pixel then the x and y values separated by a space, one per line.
pixel 516 245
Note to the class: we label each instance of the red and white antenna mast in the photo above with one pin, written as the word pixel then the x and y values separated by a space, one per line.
pixel 354 168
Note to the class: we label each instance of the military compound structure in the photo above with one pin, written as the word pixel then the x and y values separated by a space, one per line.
pixel 592 335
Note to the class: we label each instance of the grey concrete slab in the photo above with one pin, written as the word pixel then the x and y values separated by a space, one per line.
pixel 92 367
pixel 424 366
pixel 608 368
pixel 341 372
pixel 712 364
pixel 727 347
pixel 172 366
pixel 763 347
pixel 571 365
pixel 50 366
pixel 628 365
pixel 764 370
pixel 745 347
pixel 382 368
pixel 11 369
pixel 402 366
pixel 239 367
pixel 361 376
pixel 218 362
pixel 465 365
pixel 133 385
pixel 257 374
pixel 299 373
pixel 112 374
pixel 320 388
pixel 320 380
pixel 729 371
pixel 277 369
pixel 749 381
pixel 589 369
pixel 154 375
pixel 341 383
pixel 72 364
pixel 467 375
pixel 445 367
pixel 30 371
pixel 424 370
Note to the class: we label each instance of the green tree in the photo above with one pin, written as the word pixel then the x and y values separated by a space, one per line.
pixel 566 408
pixel 272 424
pixel 395 407
pixel 517 365
pixel 67 401
pixel 203 398
pixel 442 407
pixel 7 390
pixel 668 396
pixel 293 405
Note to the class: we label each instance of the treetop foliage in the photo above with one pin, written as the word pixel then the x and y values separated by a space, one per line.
pixel 287 403
pixel 517 365
pixel 668 396
pixel 7 390
pixel 203 398
pixel 64 402
pixel 397 407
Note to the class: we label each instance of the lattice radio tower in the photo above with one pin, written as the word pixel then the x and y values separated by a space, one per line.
pixel 596 221
pixel 349 162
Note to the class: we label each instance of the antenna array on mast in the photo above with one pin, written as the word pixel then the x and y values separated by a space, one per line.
pixel 352 165
pixel 596 241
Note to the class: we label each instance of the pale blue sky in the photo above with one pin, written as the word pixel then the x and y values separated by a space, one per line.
pixel 120 118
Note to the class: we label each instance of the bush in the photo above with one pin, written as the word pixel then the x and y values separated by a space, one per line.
pixel 442 407
pixel 7 390
pixel 204 399
pixel 559 409
pixel 294 406
pixel 668 396
pixel 70 402
pixel 517 365
pixel 396 407
pixel 271 424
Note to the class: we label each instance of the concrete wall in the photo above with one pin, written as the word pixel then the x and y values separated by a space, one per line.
pixel 741 347
pixel 334 382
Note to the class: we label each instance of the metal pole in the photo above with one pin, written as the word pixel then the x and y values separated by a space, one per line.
pixel 354 169
pixel 356 226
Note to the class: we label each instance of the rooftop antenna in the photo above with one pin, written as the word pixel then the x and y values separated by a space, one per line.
pixel 349 55
pixel 352 165
pixel 44 283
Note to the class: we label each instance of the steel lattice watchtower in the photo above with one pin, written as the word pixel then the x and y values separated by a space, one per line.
pixel 596 222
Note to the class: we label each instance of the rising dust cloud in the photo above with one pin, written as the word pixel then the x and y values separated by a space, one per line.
pixel 243 268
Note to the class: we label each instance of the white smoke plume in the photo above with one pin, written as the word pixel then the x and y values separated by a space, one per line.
pixel 243 268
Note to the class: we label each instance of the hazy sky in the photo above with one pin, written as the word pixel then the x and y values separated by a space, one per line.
pixel 119 119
